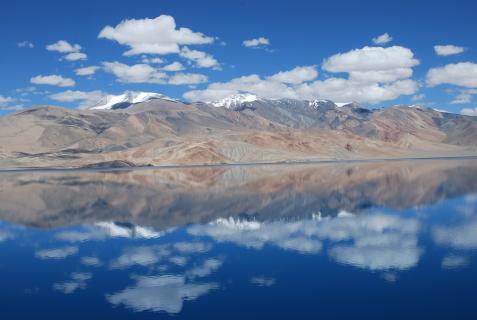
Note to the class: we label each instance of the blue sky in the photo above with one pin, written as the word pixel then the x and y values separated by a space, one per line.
pixel 296 49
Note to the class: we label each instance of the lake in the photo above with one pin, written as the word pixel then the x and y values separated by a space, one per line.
pixel 375 240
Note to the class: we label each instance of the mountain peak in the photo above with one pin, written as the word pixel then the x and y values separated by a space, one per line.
pixel 128 98
pixel 234 100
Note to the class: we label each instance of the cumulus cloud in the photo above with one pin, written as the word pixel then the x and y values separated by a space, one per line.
pixel 160 293
pixel 448 50
pixel 463 74
pixel 469 111
pixel 252 84
pixel 257 42
pixel 373 241
pixel 375 74
pixel 175 66
pixel 289 236
pixel 187 78
pixel 86 71
pixel 78 281
pixel 464 96
pixel 85 99
pixel 371 59
pixel 138 73
pixel 4 100
pixel 454 262
pixel 205 269
pixel 144 73
pixel 76 56
pixel 63 46
pixel 296 76
pixel 53 80
pixel 141 256
pixel 91 261
pixel 153 36
pixel 25 44
pixel 200 59
pixel 382 39
pixel 154 60
pixel 57 253
pixel 72 51
pixel 462 236
pixel 192 247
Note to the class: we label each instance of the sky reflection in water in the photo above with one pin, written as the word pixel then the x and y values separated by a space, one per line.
pixel 373 239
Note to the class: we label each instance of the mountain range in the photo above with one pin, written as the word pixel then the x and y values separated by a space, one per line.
pixel 141 128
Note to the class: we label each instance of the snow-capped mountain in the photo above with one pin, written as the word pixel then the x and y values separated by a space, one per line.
pixel 234 101
pixel 128 98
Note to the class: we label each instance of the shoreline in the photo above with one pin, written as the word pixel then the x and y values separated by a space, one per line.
pixel 243 164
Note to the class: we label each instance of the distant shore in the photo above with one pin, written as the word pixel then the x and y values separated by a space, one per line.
pixel 102 167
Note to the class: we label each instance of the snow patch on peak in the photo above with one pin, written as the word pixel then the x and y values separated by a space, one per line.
pixel 342 104
pixel 318 103
pixel 234 100
pixel 111 102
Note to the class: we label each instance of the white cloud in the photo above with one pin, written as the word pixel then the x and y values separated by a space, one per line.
pixel 462 236
pixel 27 91
pixel 63 46
pixel 376 241
pixel 339 89
pixel 153 36
pixel 200 59
pixel 187 78
pixel 462 98
pixel 263 281
pixel 375 74
pixel 138 73
pixel 296 76
pixel 463 74
pixel 144 73
pixel 78 281
pixel 448 50
pixel 53 80
pixel 205 269
pixel 155 60
pixel 91 261
pixel 192 247
pixel 85 99
pixel 454 262
pixel 57 253
pixel 371 59
pixel 160 293
pixel 469 111
pixel 382 39
pixel 141 256
pixel 25 44
pixel 175 66
pixel 75 56
pixel 261 41
pixel 4 100
pixel 286 235
pixel 86 71
pixel 418 97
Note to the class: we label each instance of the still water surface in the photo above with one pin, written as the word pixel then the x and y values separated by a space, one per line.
pixel 378 240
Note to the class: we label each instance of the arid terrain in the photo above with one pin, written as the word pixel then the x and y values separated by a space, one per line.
pixel 164 132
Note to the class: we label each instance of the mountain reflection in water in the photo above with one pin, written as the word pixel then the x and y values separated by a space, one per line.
pixel 189 242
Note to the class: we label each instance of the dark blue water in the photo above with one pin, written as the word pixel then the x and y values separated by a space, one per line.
pixel 381 241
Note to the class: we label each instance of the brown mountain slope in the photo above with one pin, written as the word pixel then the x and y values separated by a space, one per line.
pixel 164 132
